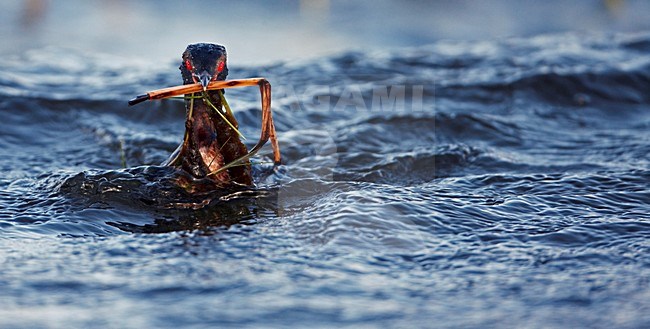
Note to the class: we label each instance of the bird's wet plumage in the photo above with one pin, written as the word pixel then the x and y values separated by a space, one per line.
pixel 209 142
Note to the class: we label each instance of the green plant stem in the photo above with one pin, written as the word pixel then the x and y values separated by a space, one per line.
pixel 206 99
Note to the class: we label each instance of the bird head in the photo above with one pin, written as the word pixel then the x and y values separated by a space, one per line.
pixel 204 62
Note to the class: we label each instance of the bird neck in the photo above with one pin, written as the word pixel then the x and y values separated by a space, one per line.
pixel 201 149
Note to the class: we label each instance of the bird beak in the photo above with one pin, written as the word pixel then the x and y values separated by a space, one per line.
pixel 205 79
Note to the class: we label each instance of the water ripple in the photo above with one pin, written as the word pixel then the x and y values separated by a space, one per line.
pixel 516 196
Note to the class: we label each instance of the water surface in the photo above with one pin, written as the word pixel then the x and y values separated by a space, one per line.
pixel 512 193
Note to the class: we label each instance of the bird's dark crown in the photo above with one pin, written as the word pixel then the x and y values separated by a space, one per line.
pixel 203 61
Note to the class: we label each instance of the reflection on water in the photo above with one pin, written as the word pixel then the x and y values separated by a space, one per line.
pixel 514 196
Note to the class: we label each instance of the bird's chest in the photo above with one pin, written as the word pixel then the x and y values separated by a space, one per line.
pixel 210 143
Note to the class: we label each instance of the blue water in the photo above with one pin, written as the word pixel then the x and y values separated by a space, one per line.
pixel 514 192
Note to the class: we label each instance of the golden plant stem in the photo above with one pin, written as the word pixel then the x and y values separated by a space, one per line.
pixel 195 88
pixel 268 128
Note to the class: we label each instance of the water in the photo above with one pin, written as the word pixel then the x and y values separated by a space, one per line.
pixel 514 192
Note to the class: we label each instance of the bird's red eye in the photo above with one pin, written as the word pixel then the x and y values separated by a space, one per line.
pixel 220 66
pixel 188 65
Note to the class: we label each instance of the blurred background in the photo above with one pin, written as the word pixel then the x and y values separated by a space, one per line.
pixel 263 32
